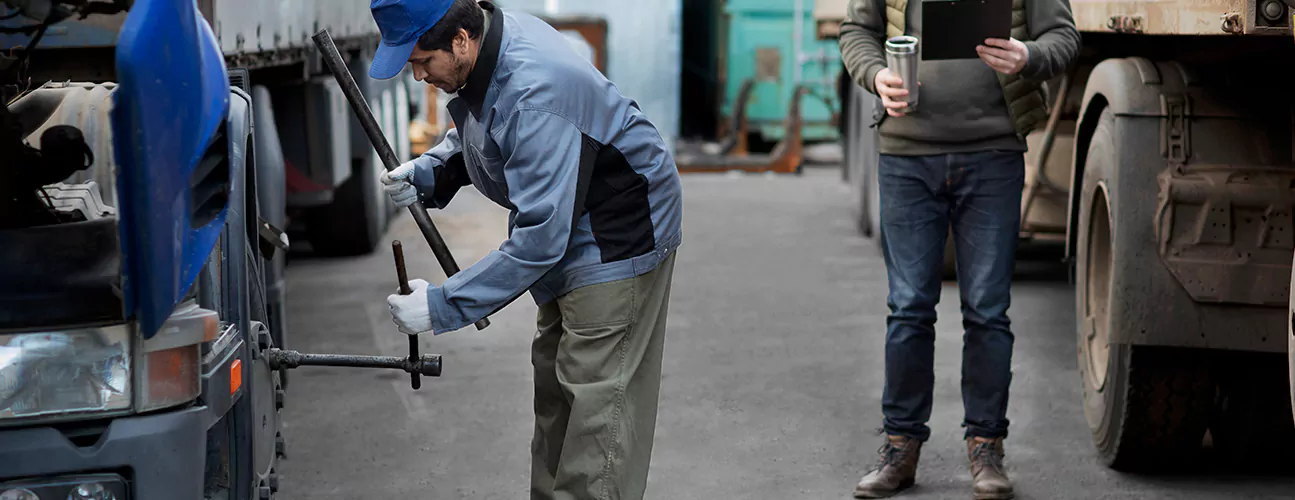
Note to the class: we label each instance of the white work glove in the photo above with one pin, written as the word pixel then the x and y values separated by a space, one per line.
pixel 398 187
pixel 411 312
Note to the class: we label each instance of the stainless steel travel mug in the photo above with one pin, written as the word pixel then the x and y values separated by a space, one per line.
pixel 901 59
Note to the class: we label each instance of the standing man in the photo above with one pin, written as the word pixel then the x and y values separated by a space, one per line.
pixel 957 160
pixel 595 218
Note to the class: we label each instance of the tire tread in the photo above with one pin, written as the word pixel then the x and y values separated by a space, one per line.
pixel 1167 408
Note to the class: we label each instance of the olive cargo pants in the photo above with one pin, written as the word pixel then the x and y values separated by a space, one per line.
pixel 597 359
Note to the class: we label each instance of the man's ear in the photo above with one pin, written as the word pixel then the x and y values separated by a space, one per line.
pixel 461 42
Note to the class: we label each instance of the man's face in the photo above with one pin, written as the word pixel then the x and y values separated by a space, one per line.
pixel 446 70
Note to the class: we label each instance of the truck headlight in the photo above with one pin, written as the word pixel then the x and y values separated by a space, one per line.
pixel 70 371
pixel 104 369
pixel 80 487
pixel 18 494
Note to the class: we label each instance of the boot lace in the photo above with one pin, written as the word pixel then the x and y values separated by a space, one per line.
pixel 987 456
pixel 891 455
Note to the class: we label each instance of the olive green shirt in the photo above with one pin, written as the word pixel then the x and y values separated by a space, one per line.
pixel 961 106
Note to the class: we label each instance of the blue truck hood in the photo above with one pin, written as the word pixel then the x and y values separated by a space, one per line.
pixel 168 119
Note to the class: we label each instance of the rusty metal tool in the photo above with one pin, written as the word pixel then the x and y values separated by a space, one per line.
pixel 403 277
pixel 427 364
pixel 333 59
pixel 416 365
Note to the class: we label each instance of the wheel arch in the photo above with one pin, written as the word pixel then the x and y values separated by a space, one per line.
pixel 1127 87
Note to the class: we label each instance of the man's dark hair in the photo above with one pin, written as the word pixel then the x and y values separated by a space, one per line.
pixel 463 14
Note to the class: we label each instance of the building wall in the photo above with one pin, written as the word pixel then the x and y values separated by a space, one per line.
pixel 645 72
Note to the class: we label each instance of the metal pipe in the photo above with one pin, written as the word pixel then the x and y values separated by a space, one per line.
pixel 403 278
pixel 427 364
pixel 1045 149
pixel 333 59
pixel 1050 134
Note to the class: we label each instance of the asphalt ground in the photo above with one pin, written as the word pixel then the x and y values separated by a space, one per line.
pixel 772 376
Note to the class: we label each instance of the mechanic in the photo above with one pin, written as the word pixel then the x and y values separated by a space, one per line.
pixel 956 161
pixel 595 218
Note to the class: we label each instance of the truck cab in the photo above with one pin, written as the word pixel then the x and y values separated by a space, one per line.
pixel 134 257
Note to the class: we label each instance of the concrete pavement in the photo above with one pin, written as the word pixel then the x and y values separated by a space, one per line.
pixel 772 373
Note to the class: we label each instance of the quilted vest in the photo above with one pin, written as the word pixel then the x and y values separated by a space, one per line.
pixel 1026 102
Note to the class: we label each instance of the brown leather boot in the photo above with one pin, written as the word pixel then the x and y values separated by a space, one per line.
pixel 988 478
pixel 896 472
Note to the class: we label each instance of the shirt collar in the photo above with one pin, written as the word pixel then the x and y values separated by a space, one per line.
pixel 474 90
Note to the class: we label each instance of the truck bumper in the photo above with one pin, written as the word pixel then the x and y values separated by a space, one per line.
pixel 162 455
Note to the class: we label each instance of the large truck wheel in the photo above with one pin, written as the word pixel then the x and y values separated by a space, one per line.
pixel 1146 406
pixel 1252 428
pixel 353 223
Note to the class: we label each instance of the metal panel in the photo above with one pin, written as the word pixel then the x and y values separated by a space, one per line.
pixel 257 25
pixel 1226 232
pixel 645 72
pixel 98 30
pixel 1195 17
pixel 164 117
pixel 241 26
pixel 762 43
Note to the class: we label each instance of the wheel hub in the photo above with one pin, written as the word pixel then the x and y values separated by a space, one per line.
pixel 1097 348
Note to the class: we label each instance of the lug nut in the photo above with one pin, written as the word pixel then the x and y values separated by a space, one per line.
pixel 280 446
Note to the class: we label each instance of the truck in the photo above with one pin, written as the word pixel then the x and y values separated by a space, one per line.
pixel 156 158
pixel 1167 171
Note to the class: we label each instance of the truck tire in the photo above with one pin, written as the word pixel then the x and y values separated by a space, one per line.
pixel 1290 341
pixel 1251 428
pixel 1145 406
pixel 353 223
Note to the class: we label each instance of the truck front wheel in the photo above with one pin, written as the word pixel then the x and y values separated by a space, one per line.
pixel 1146 406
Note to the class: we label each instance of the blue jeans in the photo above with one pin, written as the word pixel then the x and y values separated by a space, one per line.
pixel 979 195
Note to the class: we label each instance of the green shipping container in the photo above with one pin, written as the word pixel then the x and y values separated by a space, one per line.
pixel 760 43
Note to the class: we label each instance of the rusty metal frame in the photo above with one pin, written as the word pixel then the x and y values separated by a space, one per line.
pixel 1226 231
pixel 736 142
pixel 1041 182
pixel 786 156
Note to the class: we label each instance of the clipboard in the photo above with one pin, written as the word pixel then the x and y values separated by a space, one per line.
pixel 951 29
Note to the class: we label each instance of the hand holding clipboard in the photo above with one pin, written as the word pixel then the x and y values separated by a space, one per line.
pixel 969 29
pixel 1005 56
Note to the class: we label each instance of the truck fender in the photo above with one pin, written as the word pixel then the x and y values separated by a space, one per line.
pixel 1172 130
pixel 1130 87
pixel 242 208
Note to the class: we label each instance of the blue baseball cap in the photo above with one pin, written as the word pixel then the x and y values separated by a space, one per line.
pixel 401 22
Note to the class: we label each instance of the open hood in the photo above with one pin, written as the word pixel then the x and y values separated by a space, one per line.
pixel 168 119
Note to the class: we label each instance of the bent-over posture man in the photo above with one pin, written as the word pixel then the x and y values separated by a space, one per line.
pixel 957 160
pixel 595 211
